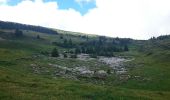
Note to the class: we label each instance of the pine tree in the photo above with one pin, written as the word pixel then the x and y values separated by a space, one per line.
pixel 18 33
pixel 83 50
pixel 108 71
pixel 64 55
pixel 126 48
pixel 54 53
pixel 77 50
pixel 61 36
pixel 65 44
pixel 38 36
pixel 70 43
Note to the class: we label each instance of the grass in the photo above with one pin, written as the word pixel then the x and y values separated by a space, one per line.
pixel 19 82
pixel 152 72
pixel 18 86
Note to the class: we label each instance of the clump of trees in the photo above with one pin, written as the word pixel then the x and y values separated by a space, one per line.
pixel 97 47
pixel 55 53
pixel 162 37
pixel 103 47
pixel 65 44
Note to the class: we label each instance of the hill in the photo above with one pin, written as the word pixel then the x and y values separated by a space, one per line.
pixel 87 67
pixel 11 25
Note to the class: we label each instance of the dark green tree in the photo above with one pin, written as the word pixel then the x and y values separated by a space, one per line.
pixel 38 36
pixel 64 55
pixel 126 48
pixel 18 33
pixel 83 50
pixel 65 44
pixel 55 53
pixel 77 50
pixel 108 71
pixel 61 36
pixel 65 41
pixel 70 43
pixel 70 51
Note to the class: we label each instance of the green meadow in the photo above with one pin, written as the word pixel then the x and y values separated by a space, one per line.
pixel 148 71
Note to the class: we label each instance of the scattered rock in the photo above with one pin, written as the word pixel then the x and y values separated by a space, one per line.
pixel 116 63
pixel 124 77
pixel 101 74
pixel 84 57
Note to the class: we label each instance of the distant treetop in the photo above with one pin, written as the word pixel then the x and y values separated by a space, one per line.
pixel 12 25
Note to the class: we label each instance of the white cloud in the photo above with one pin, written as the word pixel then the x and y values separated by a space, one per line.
pixel 3 1
pixel 139 19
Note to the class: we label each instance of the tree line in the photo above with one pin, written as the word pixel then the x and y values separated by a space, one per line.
pixel 97 47
pixel 12 25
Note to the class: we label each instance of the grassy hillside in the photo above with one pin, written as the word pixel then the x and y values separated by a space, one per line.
pixel 27 74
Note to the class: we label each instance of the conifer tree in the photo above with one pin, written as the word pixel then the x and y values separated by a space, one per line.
pixel 55 53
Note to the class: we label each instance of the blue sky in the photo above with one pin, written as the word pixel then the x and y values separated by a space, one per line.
pixel 82 7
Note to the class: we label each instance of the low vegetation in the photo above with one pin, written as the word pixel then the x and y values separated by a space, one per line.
pixel 36 65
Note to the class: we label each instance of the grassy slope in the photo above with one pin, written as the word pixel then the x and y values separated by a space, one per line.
pixel 18 82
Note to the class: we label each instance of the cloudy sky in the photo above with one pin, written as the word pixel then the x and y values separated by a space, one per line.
pixel 138 19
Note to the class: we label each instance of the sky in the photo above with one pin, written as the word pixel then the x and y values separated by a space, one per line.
pixel 137 19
